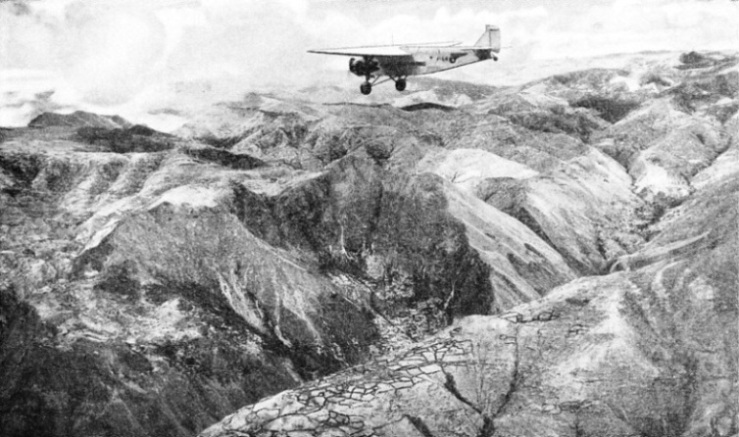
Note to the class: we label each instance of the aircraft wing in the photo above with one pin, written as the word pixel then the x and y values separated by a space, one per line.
pixel 384 51
pixel 476 48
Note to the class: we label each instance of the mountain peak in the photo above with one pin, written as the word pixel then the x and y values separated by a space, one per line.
pixel 78 119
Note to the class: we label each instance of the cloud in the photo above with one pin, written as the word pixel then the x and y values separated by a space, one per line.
pixel 136 55
pixel 111 54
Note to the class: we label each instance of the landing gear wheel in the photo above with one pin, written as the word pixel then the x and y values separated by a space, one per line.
pixel 400 84
pixel 365 88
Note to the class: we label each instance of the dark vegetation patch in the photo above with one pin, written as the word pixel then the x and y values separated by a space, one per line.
pixel 431 247
pixel 507 281
pixel 300 215
pixel 656 79
pixel 451 88
pixel 713 60
pixel 688 95
pixel 220 358
pixel 419 425
pixel 329 146
pixel 285 130
pixel 44 390
pixel 226 158
pixel 577 301
pixel 462 271
pixel 610 109
pixel 407 224
pixel 60 175
pixel 78 119
pixel 23 168
pixel 593 78
pixel 506 194
pixel 313 216
pixel 339 322
pixel 206 296
pixel 359 105
pixel 137 138
pixel 220 142
pixel 725 84
pixel 557 120
pixel 533 250
pixel 255 212
pixel 342 323
pixel 694 59
pixel 707 86
pixel 379 151
pixel 541 276
pixel 378 143
pixel 349 326
pixel 118 280
pixel 427 105
pixel 48 391
pixel 525 217
pixel 93 258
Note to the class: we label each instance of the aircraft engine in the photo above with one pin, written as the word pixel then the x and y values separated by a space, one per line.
pixel 363 67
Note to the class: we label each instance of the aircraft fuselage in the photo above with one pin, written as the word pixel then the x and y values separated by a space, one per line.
pixel 428 61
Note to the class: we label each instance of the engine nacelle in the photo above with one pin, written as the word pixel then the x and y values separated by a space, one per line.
pixel 363 67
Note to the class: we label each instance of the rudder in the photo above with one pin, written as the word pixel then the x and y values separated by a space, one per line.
pixel 490 39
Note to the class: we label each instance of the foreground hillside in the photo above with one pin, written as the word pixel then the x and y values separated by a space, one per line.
pixel 557 256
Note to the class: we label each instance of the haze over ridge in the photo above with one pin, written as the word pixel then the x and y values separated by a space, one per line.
pixel 134 57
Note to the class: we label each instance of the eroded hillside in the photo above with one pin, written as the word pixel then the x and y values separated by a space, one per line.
pixel 559 256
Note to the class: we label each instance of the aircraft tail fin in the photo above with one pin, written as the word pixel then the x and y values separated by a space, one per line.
pixel 490 39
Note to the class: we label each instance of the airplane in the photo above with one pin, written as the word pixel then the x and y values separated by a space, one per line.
pixel 397 62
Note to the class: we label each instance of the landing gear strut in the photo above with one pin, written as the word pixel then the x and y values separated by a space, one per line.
pixel 365 88
pixel 400 84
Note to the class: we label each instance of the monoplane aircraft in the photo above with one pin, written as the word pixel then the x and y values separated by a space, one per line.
pixel 397 62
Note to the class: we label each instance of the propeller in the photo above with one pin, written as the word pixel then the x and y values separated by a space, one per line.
pixel 363 67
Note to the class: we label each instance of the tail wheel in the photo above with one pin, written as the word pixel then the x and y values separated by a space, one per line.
pixel 365 88
pixel 400 84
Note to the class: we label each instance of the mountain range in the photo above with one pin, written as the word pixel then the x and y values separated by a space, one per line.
pixel 556 257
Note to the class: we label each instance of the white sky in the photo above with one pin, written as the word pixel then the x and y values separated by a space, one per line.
pixel 149 53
